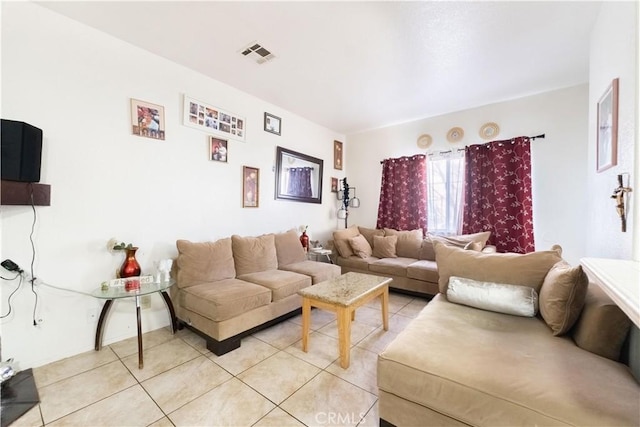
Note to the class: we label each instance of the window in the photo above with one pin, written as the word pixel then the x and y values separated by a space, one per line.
pixel 445 182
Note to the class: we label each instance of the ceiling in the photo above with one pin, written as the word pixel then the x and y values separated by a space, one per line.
pixel 353 66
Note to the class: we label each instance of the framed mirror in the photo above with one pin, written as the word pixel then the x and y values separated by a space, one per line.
pixel 298 176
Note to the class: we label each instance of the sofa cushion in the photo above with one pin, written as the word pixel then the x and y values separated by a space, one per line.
pixel 602 327
pixel 498 297
pixel 360 246
pixel 282 283
pixel 562 296
pixel 356 262
pixel 370 233
pixel 204 262
pixel 341 240
pixel 484 368
pixel 385 246
pixel 463 240
pixel 393 266
pixel 318 271
pixel 224 299
pixel 424 270
pixel 289 250
pixel 253 254
pixel 510 268
pixel 409 242
pixel 426 249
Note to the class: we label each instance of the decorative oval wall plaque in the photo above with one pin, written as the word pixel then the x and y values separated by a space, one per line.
pixel 489 130
pixel 455 134
pixel 425 141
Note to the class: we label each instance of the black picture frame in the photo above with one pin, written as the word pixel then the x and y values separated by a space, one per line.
pixel 272 124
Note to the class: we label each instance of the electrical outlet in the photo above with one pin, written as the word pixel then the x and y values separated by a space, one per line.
pixel 145 302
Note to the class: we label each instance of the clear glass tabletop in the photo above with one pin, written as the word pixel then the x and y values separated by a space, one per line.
pixel 119 290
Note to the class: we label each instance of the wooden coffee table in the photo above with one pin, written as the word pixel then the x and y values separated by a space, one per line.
pixel 343 295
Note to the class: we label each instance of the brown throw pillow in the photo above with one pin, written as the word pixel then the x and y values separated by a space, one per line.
pixel 426 249
pixel 602 327
pixel 341 240
pixel 510 268
pixel 385 247
pixel 370 233
pixel 409 242
pixel 360 246
pixel 562 296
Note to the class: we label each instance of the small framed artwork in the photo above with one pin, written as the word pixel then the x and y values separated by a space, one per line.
pixel 272 123
pixel 147 119
pixel 337 155
pixel 210 119
pixel 607 135
pixel 218 149
pixel 250 187
pixel 334 185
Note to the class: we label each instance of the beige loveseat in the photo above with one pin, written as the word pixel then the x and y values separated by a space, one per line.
pixel 406 256
pixel 232 287
pixel 458 365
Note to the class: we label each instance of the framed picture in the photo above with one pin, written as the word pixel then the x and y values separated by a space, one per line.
pixel 218 149
pixel 337 155
pixel 250 187
pixel 607 145
pixel 147 119
pixel 210 119
pixel 334 185
pixel 272 123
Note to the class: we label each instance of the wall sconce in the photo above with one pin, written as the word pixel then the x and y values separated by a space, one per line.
pixel 347 200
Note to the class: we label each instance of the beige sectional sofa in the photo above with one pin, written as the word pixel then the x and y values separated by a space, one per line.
pixel 457 364
pixel 406 256
pixel 232 287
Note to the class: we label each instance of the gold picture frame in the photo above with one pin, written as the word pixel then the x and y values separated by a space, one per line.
pixel 337 155
pixel 250 187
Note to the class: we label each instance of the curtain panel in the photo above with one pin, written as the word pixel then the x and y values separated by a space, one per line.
pixel 403 194
pixel 498 194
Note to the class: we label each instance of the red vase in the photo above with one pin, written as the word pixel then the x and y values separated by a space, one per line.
pixel 130 267
pixel 304 240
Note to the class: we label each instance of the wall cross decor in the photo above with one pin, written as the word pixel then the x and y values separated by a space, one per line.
pixel 619 194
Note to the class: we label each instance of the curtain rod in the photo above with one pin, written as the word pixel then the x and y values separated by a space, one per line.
pixel 541 136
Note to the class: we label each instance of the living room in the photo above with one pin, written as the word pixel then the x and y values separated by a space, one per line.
pixel 75 83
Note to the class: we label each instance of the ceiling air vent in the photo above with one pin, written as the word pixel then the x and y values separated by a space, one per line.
pixel 258 53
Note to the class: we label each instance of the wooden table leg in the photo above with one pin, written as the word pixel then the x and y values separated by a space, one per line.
pixel 344 335
pixel 306 320
pixel 101 319
pixel 140 358
pixel 385 308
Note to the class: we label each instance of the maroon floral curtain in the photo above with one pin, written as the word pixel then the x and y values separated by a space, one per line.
pixel 403 193
pixel 300 182
pixel 498 194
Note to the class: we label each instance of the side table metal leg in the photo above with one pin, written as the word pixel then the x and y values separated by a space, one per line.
pixel 101 319
pixel 172 312
pixel 140 358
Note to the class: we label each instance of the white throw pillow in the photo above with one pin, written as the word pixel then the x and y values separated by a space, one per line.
pixel 498 297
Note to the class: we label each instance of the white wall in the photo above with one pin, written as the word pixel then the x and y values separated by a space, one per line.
pixel 75 83
pixel 614 54
pixel 558 178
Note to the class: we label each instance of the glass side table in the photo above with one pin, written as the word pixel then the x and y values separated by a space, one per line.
pixel 317 254
pixel 118 292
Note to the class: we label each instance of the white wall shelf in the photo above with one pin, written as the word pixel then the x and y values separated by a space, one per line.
pixel 620 279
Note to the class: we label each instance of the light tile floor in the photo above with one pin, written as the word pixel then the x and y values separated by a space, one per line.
pixel 268 381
